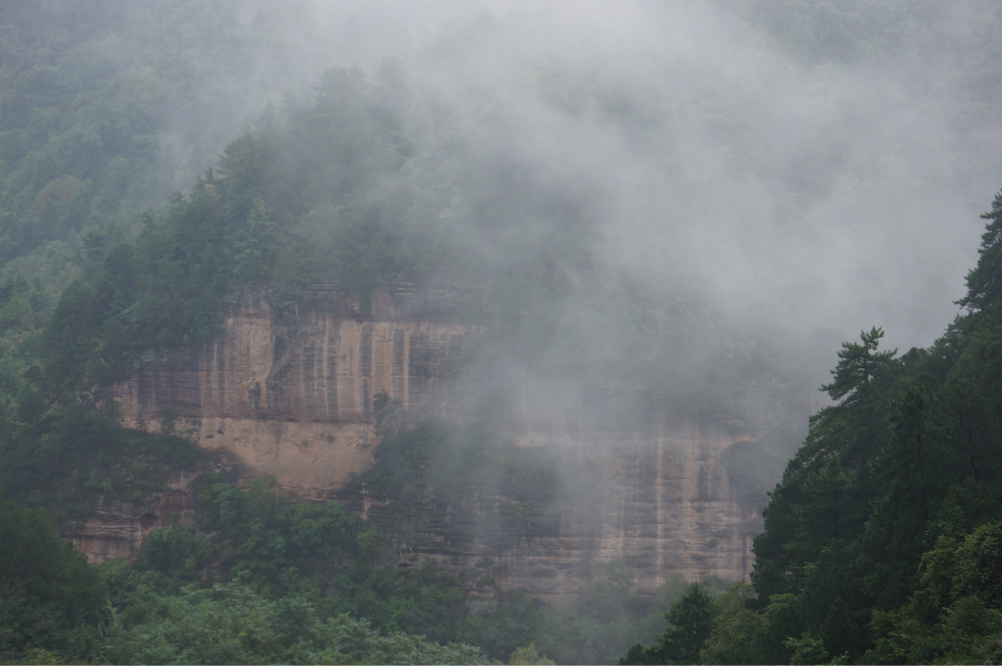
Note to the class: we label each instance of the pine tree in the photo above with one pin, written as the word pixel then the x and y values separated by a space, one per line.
pixel 984 283
pixel 690 620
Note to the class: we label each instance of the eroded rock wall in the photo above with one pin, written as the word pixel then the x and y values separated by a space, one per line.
pixel 118 529
pixel 288 391
pixel 662 504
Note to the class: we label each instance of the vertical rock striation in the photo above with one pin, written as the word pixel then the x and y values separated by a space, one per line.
pixel 288 390
pixel 662 504
pixel 118 529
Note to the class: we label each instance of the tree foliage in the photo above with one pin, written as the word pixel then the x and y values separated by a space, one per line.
pixel 984 282
pixel 690 622
pixel 882 536
pixel 231 623
pixel 50 599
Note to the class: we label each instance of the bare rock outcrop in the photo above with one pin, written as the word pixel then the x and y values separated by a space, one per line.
pixel 288 390
pixel 661 504
pixel 118 529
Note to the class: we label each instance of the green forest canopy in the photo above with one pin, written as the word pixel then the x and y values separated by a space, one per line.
pixel 883 541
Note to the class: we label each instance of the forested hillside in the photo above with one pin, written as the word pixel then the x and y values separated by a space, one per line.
pixel 882 541
pixel 692 225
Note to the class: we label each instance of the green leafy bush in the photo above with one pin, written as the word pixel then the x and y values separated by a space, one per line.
pixel 230 623
pixel 50 599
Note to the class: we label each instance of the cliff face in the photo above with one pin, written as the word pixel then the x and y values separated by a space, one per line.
pixel 119 529
pixel 661 504
pixel 288 391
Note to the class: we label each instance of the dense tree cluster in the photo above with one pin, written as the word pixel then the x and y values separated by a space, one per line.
pixel 886 517
pixel 883 541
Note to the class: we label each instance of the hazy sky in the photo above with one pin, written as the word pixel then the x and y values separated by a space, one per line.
pixel 815 197
pixel 806 194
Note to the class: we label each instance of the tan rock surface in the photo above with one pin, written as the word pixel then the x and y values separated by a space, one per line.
pixel 288 391
pixel 662 505
pixel 119 529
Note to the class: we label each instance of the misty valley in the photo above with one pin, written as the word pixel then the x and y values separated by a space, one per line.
pixel 480 332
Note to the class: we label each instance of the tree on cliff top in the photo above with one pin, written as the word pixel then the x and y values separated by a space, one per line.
pixel 858 364
pixel 984 282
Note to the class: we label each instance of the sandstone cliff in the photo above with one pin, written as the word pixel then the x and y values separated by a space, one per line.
pixel 662 504
pixel 288 391
pixel 118 529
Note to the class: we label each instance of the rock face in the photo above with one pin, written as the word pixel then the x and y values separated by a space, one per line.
pixel 119 529
pixel 289 390
pixel 661 504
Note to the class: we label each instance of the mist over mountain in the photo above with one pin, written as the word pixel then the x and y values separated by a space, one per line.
pixel 799 162
pixel 646 226
pixel 789 159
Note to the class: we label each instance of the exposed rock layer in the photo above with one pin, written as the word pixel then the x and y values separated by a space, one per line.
pixel 663 505
pixel 119 529
pixel 289 391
